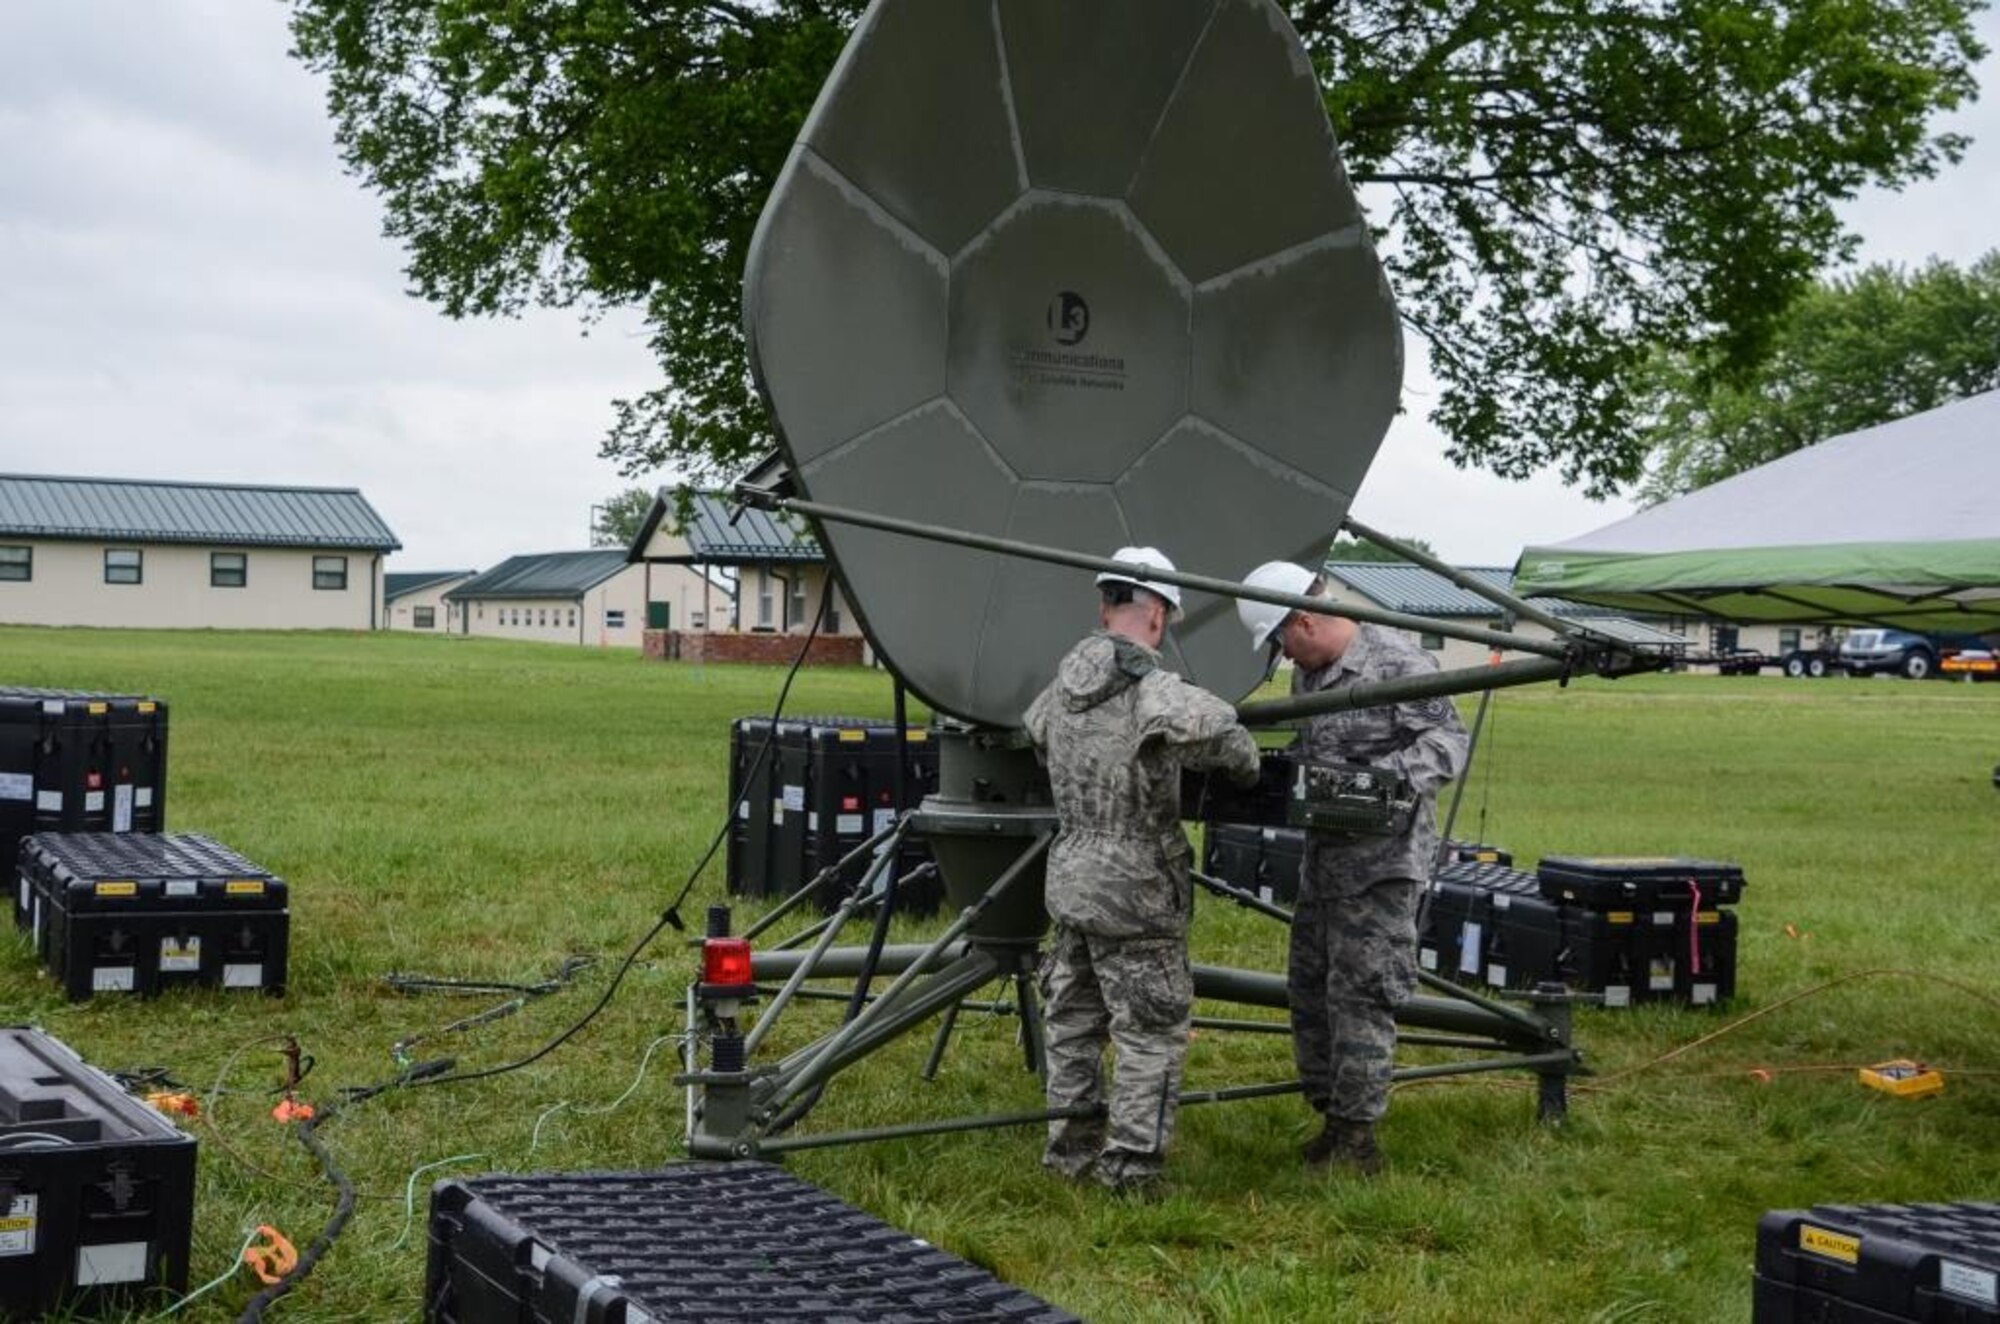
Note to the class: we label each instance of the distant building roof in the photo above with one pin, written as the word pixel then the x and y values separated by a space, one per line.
pixel 403 582
pixel 1398 586
pixel 42 506
pixel 1411 588
pixel 544 575
pixel 755 537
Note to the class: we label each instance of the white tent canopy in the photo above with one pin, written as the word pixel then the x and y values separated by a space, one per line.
pixel 1893 525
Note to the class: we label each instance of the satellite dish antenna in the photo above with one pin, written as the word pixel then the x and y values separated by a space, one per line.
pixel 1085 275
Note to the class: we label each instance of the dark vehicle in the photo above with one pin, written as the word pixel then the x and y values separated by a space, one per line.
pixel 1901 652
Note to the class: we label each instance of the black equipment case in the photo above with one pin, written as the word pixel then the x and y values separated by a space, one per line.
pixel 718 1242
pixel 143 913
pixel 1488 924
pixel 822 787
pixel 1915 1262
pixel 1282 856
pixel 1263 861
pixel 96 1188
pixel 1651 956
pixel 1229 853
pixel 72 761
pixel 850 795
pixel 1639 883
pixel 753 756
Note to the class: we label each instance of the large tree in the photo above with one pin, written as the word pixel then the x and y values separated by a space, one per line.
pixel 615 521
pixel 1560 184
pixel 1855 351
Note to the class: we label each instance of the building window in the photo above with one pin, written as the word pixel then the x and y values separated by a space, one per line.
pixel 1788 640
pixel 614 619
pixel 330 572
pixel 572 618
pixel 795 613
pixel 423 618
pixel 542 617
pixel 228 569
pixel 1433 642
pixel 124 565
pixel 17 563
pixel 832 609
pixel 763 597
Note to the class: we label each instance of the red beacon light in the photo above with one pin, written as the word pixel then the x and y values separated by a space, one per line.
pixel 725 963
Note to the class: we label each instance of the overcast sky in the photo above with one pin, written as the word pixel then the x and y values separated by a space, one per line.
pixel 190 288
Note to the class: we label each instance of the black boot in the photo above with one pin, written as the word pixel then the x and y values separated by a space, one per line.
pixel 1349 1146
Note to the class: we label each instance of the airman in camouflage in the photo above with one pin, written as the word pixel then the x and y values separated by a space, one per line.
pixel 1353 956
pixel 1115 729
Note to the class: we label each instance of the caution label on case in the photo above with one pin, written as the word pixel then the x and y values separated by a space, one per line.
pixel 17 1226
pixel 1831 1245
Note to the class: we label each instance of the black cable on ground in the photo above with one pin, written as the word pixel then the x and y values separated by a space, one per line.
pixel 439 1071
pixel 343 1210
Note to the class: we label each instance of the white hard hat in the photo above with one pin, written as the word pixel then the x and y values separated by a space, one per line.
pixel 1262 619
pixel 1151 556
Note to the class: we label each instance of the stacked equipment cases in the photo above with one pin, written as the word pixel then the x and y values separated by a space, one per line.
pixel 805 793
pixel 1662 919
pixel 96 1188
pixel 1936 1263
pixel 73 761
pixel 719 1242
pixel 140 914
pixel 1651 930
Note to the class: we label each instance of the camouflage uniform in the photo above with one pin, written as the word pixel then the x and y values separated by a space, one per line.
pixel 1115 729
pixel 1353 949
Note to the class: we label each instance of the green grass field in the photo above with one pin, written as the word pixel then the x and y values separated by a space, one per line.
pixel 483 810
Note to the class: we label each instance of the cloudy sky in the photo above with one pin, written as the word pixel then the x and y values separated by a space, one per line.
pixel 190 288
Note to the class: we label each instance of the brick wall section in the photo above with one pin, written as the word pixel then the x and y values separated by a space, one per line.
pixel 682 646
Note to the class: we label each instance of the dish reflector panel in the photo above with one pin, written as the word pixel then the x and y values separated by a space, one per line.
pixel 1078 272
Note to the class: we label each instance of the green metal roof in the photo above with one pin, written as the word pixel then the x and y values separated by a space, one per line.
pixel 543 575
pixel 402 582
pixel 1411 588
pixel 229 514
pixel 755 537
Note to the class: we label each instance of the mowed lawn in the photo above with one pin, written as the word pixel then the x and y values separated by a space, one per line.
pixel 483 810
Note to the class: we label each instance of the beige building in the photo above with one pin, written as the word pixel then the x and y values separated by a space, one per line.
pixel 758 573
pixel 415 601
pixel 591 598
pixel 164 555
